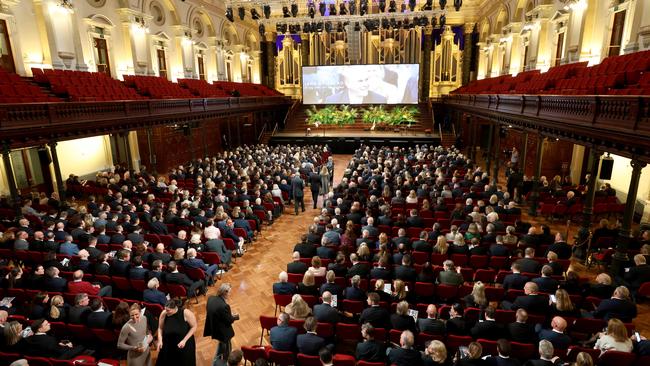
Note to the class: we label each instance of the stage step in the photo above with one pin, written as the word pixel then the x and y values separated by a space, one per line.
pixel 266 137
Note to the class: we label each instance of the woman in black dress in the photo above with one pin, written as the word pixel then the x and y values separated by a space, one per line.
pixel 176 329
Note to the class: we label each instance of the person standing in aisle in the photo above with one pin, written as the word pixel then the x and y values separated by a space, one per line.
pixel 176 328
pixel 314 186
pixel 297 191
pixel 218 322
pixel 324 182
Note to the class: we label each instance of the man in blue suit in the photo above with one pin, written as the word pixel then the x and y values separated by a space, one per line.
pixel 310 343
pixel 284 287
pixel 283 337
pixel 229 232
pixel 297 191
pixel 555 335
pixel 68 247
pixel 241 222
pixel 193 262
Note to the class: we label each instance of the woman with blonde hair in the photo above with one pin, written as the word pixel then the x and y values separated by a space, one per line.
pixel 308 285
pixel 563 306
pixel 435 354
pixel 615 338
pixel 14 342
pixel 441 246
pixel 477 298
pixel 364 253
pixel 57 311
pixel 135 338
pixel 179 254
pixel 426 206
pixel 317 268
pixel 399 291
pixel 298 308
pixel 412 197
pixel 472 232
pixel 379 289
pixel 584 359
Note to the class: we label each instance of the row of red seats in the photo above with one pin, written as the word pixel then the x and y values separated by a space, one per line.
pixel 157 87
pixel 203 89
pixel 84 86
pixel 7 358
pixel 13 89
pixel 246 89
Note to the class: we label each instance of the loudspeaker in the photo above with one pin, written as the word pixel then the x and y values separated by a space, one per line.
pixel 606 167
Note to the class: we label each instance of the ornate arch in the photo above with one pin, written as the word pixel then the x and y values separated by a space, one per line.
pixel 100 19
pixel 208 25
pixel 229 33
pixel 485 29
pixel 251 41
pixel 169 6
pixel 501 20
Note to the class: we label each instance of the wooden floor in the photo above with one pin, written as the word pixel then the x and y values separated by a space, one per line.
pixel 254 273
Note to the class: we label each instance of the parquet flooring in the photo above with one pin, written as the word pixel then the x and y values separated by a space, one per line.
pixel 255 272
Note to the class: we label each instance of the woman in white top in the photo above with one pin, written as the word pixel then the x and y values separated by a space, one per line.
pixel 412 197
pixel 616 338
pixel 317 269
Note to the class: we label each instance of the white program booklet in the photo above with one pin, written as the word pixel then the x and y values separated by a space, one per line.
pixel 414 314
pixel 387 288
pixel 6 302
pixel 334 300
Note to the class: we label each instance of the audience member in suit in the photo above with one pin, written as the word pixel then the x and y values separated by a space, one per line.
pixel 423 244
pixel 324 312
pixel 353 292
pixel 152 295
pixel 52 281
pixel 283 287
pixel 310 343
pixel 546 283
pixel 406 272
pixel 520 331
pixel 414 220
pixel 102 267
pixel 557 267
pixel 296 266
pixel 160 254
pixel 180 240
pixel 283 337
pixel 504 351
pixel 456 324
pixel 532 300
pixel 79 312
pixel 374 314
pixel 430 324
pixel 357 268
pixel 331 286
pixel 450 276
pixel 175 277
pixel 98 317
pixel 498 249
pixel 546 355
pixel 37 307
pixel 555 335
pixel 474 353
pixel 602 289
pixel 405 355
pixel 338 266
pixel 306 250
pixel 528 264
pixel 401 320
pixel 381 271
pixel 488 328
pixel 78 285
pixel 137 272
pixel 620 306
pixel 515 280
pixel 370 350
pixel 121 264
pixel 560 247
pixel 637 275
pixel 44 345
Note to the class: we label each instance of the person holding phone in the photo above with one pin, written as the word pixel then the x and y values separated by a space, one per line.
pixel 135 338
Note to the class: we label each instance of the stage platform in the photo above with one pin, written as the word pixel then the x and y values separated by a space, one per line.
pixel 347 141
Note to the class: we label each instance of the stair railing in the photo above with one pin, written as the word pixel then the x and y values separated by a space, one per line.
pixel 259 137
pixel 287 116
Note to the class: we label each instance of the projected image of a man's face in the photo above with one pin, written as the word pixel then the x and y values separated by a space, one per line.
pixel 356 83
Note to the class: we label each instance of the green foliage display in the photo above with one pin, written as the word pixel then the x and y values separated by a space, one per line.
pixel 377 116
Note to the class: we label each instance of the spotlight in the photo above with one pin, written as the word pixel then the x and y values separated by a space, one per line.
pixel 342 9
pixel 385 24
pixel 392 6
pixel 328 27
pixel 412 5
pixel 352 5
pixel 443 4
pixel 434 21
pixel 424 21
pixel 357 27
pixel 229 14
pixel 306 27
pixel 311 11
pixel 406 24
pixel 285 12
pixel 382 6
pixel 319 27
pixel 458 4
pixel 242 13
pixel 262 29
pixel 266 9
pixel 254 14
pixel 294 9
pixel 443 21
pixel 339 27
pixel 322 7
pixel 403 8
pixel 332 9
pixel 428 5
pixel 294 28
pixel 393 23
pixel 363 9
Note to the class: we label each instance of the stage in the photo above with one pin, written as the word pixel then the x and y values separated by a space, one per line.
pixel 343 141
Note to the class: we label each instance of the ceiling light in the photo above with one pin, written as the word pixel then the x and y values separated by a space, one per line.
pixel 294 9
pixel 428 5
pixel 267 11
pixel 229 14
pixel 322 8
pixel 242 12
pixel 392 6
pixel 443 4
pixel 254 14
pixel 458 4
pixel 285 12
pixel 342 9
pixel 352 6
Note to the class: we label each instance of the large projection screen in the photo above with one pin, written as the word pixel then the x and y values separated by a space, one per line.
pixel 360 84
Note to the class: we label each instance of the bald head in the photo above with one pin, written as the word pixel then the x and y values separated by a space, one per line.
pixel 531 288
pixel 558 323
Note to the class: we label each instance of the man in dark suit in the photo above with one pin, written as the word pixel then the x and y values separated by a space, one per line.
pixel 297 191
pixel 456 324
pixel 414 220
pixel 121 264
pixel 405 272
pixel 218 321
pixel 528 264
pixel 515 280
pixel 118 237
pixel 430 324
pixel 520 331
pixel 180 240
pixel 296 266
pixel 137 271
pixel 283 287
pixel 423 244
pixel 160 254
pixel 135 236
pixel 381 271
pixel 283 337
pixel 53 282
pixel 450 276
pixel 44 345
pixel 402 239
pixel 306 250
pixel 79 312
pixel 546 283
pixel 546 355
pixel 488 328
pixel 98 317
pixel 503 358
pixel 619 306
pixel 353 292
pixel 360 269
pixel 175 277
pixel 405 355
pixel 92 249
pixel 498 249
pixel 555 335
pixel 637 275
pixel 314 186
pixel 374 314
pixel 310 343
pixel 219 247
pixel 158 227
pixel 370 350
pixel 560 247
pixel 324 312
pixel 532 301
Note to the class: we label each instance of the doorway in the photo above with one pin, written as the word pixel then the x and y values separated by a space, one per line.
pixel 101 55
pixel 6 55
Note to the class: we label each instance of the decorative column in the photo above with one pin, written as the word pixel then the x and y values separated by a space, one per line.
pixel 268 60
pixel 127 148
pixel 425 71
pixel 9 172
pixel 538 173
pixel 588 208
pixel 152 154
pixel 57 169
pixel 620 258
pixel 522 155
pixel 304 37
pixel 488 158
pixel 497 153
pixel 468 51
